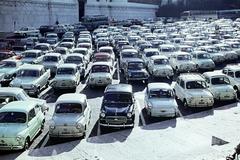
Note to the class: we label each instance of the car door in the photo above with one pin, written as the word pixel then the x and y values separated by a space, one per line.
pixel 32 123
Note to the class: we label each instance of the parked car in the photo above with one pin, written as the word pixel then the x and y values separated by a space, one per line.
pixel 84 52
pixel 67 77
pixel 71 116
pixel 101 74
pixel 182 62
pixel 118 107
pixel 192 90
pixel 203 61
pixel 160 100
pixel 148 53
pixel 64 51
pixel 20 123
pixel 227 51
pixel 135 70
pixel 127 54
pixel 216 56
pixel 233 73
pixel 159 66
pixel 44 47
pixel 31 78
pixel 80 61
pixel 108 49
pixel 32 56
pixel 52 61
pixel 9 68
pixel 103 57
pixel 9 94
pixel 219 85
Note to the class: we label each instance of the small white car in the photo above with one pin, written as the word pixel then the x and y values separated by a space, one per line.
pixel 127 54
pixel 84 52
pixel 227 51
pixel 160 100
pixel 67 77
pixel 101 74
pixel 52 61
pixel 33 56
pixel 148 53
pixel 167 49
pixel 44 47
pixel 233 73
pixel 9 94
pixel 216 56
pixel 192 90
pixel 31 78
pixel 108 49
pixel 159 66
pixel 71 116
pixel 219 85
pixel 203 60
pixel 182 62
pixel 20 123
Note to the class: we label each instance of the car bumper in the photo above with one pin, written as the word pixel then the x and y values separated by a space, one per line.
pixel 200 104
pixel 66 135
pixel 116 125
pixel 12 147
pixel 99 83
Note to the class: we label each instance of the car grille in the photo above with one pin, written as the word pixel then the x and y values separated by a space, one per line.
pixel 116 119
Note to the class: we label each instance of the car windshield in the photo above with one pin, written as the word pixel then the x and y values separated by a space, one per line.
pixel 65 71
pixel 161 61
pixel 184 57
pixel 41 47
pixel 69 46
pixel 196 85
pixel 220 80
pixel 189 50
pixel 61 51
pixel 237 74
pixel 7 64
pixel 129 55
pixel 12 117
pixel 135 65
pixel 50 59
pixel 74 59
pixel 30 55
pixel 211 50
pixel 101 59
pixel 28 73
pixel 80 52
pixel 68 108
pixel 235 45
pixel 117 98
pixel 203 56
pixel 100 68
pixel 106 50
pixel 167 50
pixel 161 93
pixel 150 54
pixel 225 48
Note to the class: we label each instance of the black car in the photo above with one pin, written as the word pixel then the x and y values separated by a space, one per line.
pixel 135 70
pixel 118 106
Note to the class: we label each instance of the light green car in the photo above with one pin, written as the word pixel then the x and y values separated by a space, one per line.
pixel 20 123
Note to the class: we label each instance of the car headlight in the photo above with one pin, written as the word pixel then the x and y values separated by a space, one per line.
pixel 129 115
pixel 52 126
pixel 149 105
pixel 7 76
pixel 79 126
pixel 33 86
pixel 19 138
pixel 91 79
pixel 190 99
pixel 102 114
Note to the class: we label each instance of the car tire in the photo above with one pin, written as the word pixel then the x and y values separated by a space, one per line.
pixel 185 104
pixel 26 144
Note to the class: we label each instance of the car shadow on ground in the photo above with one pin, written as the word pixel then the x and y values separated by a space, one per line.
pixel 93 92
pixel 69 144
pixel 160 123
pixel 111 135
pixel 9 155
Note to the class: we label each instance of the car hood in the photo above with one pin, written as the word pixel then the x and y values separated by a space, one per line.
pixel 100 75
pixel 67 119
pixel 25 80
pixel 10 130
pixel 64 77
pixel 113 109
pixel 28 60
pixel 163 103
pixel 7 70
pixel 137 71
pixel 162 67
pixel 208 61
pixel 199 93
pixel 50 64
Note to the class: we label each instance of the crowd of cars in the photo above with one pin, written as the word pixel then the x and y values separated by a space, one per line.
pixel 187 52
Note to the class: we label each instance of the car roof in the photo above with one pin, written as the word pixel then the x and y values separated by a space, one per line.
pixel 71 97
pixel 159 57
pixel 119 88
pixel 52 54
pixel 32 50
pixel 151 50
pixel 67 65
pixel 191 77
pixel 233 67
pixel 75 54
pixel 31 67
pixel 157 85
pixel 19 106
pixel 80 49
pixel 15 90
pixel 135 60
pixel 214 74
pixel 129 50
pixel 101 63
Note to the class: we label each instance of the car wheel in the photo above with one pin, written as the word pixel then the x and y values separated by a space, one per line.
pixel 26 144
pixel 185 104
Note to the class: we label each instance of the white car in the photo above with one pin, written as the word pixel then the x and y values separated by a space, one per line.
pixel 182 62
pixel 84 52
pixel 148 53
pixel 160 100
pixel 101 74
pixel 227 51
pixel 71 116
pixel 67 77
pixel 52 61
pixel 192 90
pixel 233 73
pixel 108 49
pixel 32 56
pixel 219 85
pixel 216 56
pixel 167 49
pixel 203 60
pixel 159 66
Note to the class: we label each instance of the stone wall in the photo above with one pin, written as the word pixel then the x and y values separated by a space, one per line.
pixel 15 14
pixel 120 9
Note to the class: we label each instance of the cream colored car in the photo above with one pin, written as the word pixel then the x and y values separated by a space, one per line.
pixel 101 74
pixel 159 66
pixel 192 90
pixel 219 85
pixel 182 62
pixel 233 73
